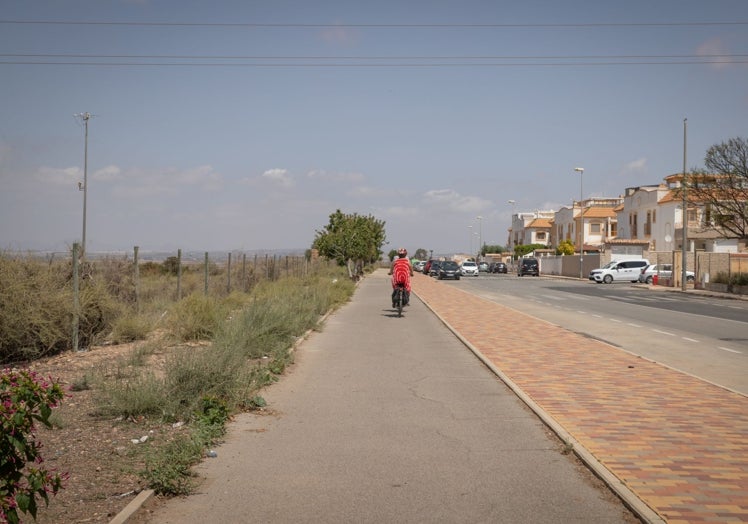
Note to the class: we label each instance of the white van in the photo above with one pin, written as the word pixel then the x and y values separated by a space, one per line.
pixel 621 271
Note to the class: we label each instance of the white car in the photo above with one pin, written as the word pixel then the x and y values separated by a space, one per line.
pixel 469 268
pixel 621 271
pixel 662 271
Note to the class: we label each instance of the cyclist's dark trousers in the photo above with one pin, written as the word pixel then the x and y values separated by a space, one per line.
pixel 406 296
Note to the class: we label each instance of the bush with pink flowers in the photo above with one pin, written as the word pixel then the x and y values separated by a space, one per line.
pixel 25 398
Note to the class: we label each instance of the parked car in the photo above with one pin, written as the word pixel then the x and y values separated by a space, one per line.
pixel 434 269
pixel 427 267
pixel 448 269
pixel 469 268
pixel 498 267
pixel 418 265
pixel 528 266
pixel 483 266
pixel 621 271
pixel 662 271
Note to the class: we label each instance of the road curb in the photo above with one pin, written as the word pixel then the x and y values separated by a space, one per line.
pixel 629 498
pixel 133 507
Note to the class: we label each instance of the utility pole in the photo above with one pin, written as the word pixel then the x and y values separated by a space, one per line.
pixel 84 187
pixel 684 247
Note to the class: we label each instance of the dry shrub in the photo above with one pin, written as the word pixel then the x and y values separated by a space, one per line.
pixel 36 309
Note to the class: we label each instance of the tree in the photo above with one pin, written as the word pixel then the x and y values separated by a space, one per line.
pixel 421 254
pixel 488 248
pixel 392 254
pixel 523 249
pixel 723 188
pixel 352 240
pixel 565 247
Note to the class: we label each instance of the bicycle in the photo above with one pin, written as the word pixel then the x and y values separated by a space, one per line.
pixel 399 299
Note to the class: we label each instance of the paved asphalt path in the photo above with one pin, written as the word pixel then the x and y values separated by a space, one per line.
pixel 385 419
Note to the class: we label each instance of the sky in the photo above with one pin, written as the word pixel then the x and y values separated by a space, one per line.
pixel 242 125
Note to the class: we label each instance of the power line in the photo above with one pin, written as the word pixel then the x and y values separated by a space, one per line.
pixel 394 26
pixel 365 57
pixel 370 65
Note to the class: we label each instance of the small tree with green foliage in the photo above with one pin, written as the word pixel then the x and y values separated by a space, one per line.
pixel 421 254
pixel 565 247
pixel 352 240
pixel 523 249
pixel 488 248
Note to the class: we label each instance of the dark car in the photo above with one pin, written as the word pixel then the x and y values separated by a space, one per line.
pixel 448 269
pixel 434 268
pixel 528 266
pixel 497 267
pixel 427 267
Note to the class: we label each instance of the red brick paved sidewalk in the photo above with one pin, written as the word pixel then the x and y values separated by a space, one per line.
pixel 679 443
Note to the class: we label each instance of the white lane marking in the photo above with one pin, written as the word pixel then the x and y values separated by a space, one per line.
pixel 690 339
pixel 730 350
pixel 596 316
pixel 616 320
pixel 633 325
pixel 664 332
pixel 581 312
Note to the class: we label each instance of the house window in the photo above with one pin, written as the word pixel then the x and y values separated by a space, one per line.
pixel 634 225
pixel 595 228
pixel 540 235
pixel 614 229
pixel 648 224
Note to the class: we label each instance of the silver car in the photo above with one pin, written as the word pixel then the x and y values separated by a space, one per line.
pixel 662 271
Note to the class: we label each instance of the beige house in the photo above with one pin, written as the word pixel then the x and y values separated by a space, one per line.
pixel 596 217
pixel 655 214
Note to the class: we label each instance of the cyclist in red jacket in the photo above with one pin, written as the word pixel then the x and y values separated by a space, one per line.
pixel 401 271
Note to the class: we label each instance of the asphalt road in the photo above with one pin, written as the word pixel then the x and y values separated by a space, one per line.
pixel 704 336
pixel 386 419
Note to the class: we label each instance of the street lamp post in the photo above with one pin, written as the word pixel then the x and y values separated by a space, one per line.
pixel 684 248
pixel 480 235
pixel 580 170
pixel 470 229
pixel 511 228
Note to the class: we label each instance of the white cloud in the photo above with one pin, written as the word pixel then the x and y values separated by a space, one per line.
pixel 715 46
pixel 452 200
pixel 61 176
pixel 107 173
pixel 144 183
pixel 637 165
pixel 279 175
pixel 204 176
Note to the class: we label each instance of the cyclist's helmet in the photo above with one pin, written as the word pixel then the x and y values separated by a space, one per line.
pixel 402 252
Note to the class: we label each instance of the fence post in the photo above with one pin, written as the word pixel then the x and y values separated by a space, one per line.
pixel 179 275
pixel 206 273
pixel 76 297
pixel 228 278
pixel 136 276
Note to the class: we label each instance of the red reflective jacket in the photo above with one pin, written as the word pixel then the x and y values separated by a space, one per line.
pixel 401 271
